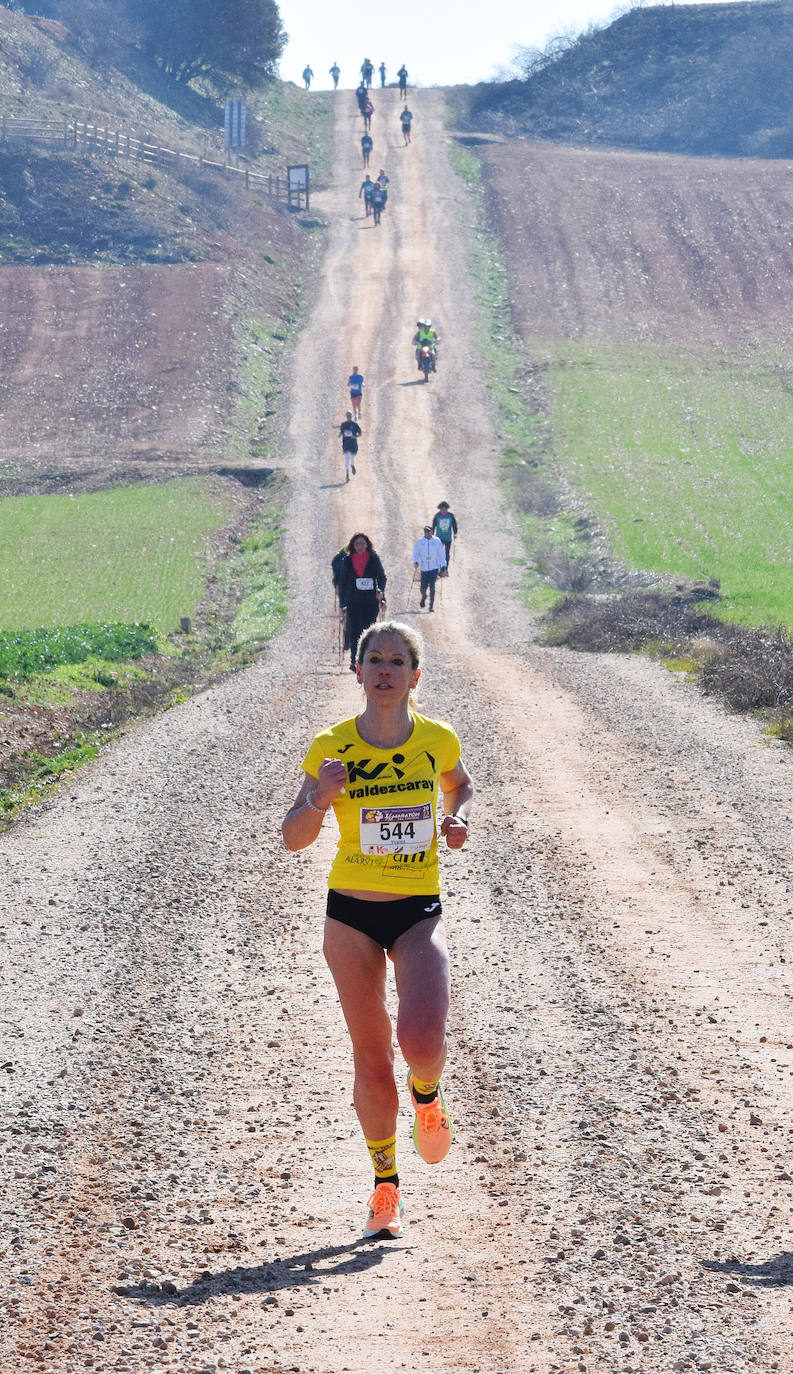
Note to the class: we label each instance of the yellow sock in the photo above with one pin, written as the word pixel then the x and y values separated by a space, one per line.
pixel 424 1091
pixel 383 1153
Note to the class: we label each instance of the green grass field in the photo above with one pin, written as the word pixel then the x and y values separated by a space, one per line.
pixel 130 554
pixel 685 460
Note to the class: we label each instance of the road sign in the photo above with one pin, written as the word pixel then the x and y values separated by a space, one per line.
pixel 234 125
pixel 297 183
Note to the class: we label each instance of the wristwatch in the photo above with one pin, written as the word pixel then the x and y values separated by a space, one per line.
pixel 454 816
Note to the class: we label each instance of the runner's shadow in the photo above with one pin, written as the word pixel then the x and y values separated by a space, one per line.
pixel 330 486
pixel 772 1273
pixel 418 382
pixel 295 1272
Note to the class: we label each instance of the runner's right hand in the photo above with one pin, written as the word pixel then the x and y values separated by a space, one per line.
pixel 331 780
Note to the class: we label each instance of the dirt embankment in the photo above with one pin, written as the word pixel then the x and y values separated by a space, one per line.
pixel 183 1174
pixel 664 250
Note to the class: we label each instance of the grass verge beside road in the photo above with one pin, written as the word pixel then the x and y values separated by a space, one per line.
pixel 563 548
pixel 646 483
pixel 683 458
pixel 66 688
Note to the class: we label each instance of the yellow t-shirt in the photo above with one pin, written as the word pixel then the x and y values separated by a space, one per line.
pixel 386 813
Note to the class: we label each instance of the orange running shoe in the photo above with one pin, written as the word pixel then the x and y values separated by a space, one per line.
pixel 432 1128
pixel 385 1212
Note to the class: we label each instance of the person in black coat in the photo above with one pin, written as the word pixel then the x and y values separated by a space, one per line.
pixel 361 584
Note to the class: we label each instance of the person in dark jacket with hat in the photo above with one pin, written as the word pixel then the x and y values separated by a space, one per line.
pixel 445 526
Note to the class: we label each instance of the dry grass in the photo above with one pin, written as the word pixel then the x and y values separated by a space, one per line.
pixel 745 669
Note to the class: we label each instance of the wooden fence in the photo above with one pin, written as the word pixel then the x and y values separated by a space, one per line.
pixel 90 138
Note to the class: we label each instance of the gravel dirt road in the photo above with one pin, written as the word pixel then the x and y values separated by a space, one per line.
pixel 183 1175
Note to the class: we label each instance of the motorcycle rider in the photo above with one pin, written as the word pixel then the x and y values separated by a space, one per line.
pixel 425 334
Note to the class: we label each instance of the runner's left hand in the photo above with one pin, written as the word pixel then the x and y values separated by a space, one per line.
pixel 454 832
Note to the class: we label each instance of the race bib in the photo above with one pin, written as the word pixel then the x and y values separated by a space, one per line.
pixel 365 584
pixel 397 829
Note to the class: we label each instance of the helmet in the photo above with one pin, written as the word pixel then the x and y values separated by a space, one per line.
pixel 428 324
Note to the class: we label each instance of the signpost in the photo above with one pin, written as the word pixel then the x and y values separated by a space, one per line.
pixel 234 127
pixel 297 184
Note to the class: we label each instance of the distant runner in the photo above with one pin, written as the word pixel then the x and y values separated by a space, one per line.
pixel 367 144
pixel 379 197
pixel 355 384
pixel 403 81
pixel 350 432
pixel 308 76
pixel 384 897
pixel 335 72
pixel 406 120
pixel 382 71
pixel 367 191
pixel 367 71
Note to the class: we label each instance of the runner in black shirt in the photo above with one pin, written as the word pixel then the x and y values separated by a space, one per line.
pixel 350 432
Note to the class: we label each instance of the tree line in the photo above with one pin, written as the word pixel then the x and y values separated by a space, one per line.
pixel 226 42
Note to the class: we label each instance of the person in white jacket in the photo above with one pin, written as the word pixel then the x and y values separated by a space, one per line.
pixel 429 556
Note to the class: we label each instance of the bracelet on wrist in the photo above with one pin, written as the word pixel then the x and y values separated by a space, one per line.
pixel 320 810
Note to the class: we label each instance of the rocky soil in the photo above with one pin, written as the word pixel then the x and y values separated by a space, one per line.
pixel 183 1175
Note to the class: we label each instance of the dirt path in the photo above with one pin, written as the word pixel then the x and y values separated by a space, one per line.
pixel 182 1169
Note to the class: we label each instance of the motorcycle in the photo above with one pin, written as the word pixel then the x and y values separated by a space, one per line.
pixel 426 361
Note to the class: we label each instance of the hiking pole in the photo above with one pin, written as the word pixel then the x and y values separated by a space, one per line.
pixel 340 637
pixel 410 589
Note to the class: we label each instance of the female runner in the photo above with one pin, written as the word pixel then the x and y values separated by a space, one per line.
pixel 362 582
pixel 380 771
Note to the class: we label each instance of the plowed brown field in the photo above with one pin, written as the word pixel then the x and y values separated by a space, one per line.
pixel 641 246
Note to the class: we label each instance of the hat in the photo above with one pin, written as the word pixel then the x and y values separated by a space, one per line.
pixel 428 527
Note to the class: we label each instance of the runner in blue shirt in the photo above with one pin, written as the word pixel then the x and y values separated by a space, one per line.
pixel 355 382
pixel 367 190
pixel 379 197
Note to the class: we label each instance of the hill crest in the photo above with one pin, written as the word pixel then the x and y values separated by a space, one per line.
pixel 711 80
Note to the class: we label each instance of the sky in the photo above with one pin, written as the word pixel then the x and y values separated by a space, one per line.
pixel 442 43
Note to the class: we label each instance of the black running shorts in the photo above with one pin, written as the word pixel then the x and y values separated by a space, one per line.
pixel 383 922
